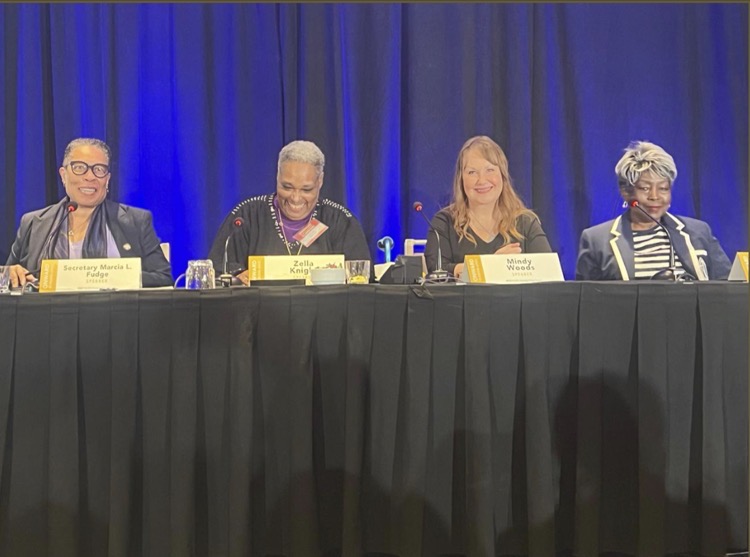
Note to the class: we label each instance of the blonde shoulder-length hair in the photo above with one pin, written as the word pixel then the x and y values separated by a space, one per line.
pixel 509 205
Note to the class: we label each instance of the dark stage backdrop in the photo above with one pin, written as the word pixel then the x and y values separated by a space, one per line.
pixel 196 101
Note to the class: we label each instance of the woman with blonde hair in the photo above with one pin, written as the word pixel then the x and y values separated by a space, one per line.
pixel 486 214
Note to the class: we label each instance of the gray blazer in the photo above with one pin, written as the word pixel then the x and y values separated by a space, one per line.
pixel 133 232
pixel 606 250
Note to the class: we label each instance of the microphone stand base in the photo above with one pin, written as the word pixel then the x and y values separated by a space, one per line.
pixel 225 280
pixel 665 274
pixel 438 275
pixel 670 274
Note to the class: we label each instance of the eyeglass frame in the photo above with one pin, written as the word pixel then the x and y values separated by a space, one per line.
pixel 88 167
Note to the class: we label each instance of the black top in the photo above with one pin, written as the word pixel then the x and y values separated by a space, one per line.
pixel 534 241
pixel 261 234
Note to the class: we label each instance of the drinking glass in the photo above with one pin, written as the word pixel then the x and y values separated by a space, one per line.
pixel 200 274
pixel 4 279
pixel 357 271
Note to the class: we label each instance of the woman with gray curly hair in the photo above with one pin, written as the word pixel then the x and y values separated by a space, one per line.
pixel 636 245
pixel 274 223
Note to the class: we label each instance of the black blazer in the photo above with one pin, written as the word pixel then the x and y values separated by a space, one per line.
pixel 133 232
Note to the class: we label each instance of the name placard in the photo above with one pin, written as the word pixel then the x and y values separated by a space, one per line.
pixel 74 275
pixel 739 267
pixel 282 267
pixel 512 268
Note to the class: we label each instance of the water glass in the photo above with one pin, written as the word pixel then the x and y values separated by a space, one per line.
pixel 357 271
pixel 4 279
pixel 200 274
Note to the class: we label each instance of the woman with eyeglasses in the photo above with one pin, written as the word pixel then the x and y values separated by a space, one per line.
pixel 85 224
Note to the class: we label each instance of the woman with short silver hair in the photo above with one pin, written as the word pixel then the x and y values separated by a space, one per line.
pixel 274 223
pixel 647 241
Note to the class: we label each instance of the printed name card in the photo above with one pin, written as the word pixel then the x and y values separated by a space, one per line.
pixel 285 267
pixel 739 267
pixel 75 275
pixel 512 268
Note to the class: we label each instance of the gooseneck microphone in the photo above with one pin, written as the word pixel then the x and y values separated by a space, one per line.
pixel 439 274
pixel 670 273
pixel 70 207
pixel 226 278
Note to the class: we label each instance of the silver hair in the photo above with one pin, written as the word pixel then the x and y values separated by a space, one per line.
pixel 640 157
pixel 302 151
pixel 80 142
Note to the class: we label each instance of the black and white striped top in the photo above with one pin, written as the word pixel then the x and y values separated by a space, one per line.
pixel 652 252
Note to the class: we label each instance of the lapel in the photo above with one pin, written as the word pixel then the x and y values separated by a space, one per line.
pixel 683 246
pixel 40 231
pixel 121 225
pixel 621 242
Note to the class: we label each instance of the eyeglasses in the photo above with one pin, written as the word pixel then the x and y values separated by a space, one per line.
pixel 79 168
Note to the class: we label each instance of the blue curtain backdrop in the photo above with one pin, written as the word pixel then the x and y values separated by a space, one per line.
pixel 196 101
